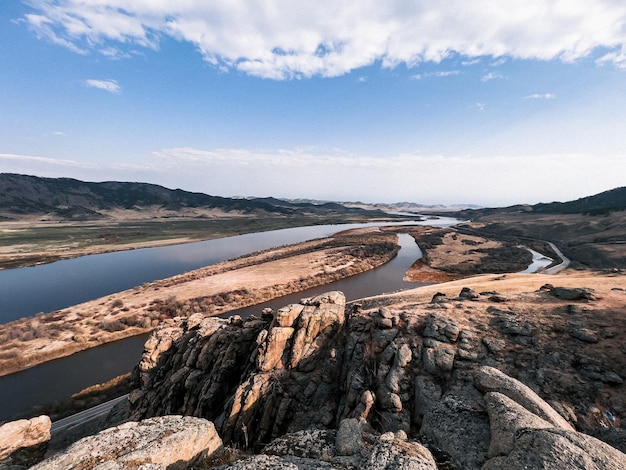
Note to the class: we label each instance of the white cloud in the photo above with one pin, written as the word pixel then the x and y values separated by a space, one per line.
pixel 107 85
pixel 498 62
pixel 470 62
pixel 440 74
pixel 539 96
pixel 286 39
pixel 491 76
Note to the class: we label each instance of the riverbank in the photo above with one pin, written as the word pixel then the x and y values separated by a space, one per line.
pixel 31 242
pixel 213 290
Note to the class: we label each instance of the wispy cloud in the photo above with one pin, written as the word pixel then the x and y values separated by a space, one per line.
pixel 498 62
pixel 107 85
pixel 540 96
pixel 330 38
pixel 440 74
pixel 470 62
pixel 491 76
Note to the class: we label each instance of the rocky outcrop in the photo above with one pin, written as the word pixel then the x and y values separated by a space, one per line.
pixel 167 442
pixel 522 441
pixel 479 383
pixel 316 449
pixel 23 433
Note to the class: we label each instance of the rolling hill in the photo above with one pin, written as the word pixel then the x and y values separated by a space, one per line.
pixel 66 198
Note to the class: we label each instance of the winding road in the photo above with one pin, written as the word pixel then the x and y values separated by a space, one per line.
pixel 559 267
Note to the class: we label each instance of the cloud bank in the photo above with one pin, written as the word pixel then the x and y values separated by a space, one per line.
pixel 287 39
pixel 343 176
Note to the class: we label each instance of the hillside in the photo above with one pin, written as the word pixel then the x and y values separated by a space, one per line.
pixel 70 199
pixel 603 203
pixel 591 231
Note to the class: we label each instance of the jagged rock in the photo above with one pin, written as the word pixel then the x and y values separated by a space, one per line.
pixel 439 357
pixel 493 345
pixel 441 328
pixel 172 442
pixel 23 433
pixel 249 378
pixel 287 315
pixel 309 450
pixel 401 369
pixel 272 347
pixel 490 379
pixel 510 325
pixel 468 346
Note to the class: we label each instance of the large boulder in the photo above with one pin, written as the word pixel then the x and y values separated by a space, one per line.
pixel 23 433
pixel 534 440
pixel 539 449
pixel 490 379
pixel 166 442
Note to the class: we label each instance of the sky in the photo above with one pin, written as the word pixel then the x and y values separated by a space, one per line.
pixel 434 102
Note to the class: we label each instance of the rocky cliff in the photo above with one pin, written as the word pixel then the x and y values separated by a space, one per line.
pixel 483 379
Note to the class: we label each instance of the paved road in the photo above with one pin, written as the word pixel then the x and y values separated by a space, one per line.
pixel 87 415
pixel 559 267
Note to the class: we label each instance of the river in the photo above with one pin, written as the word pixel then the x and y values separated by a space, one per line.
pixel 58 379
pixel 45 288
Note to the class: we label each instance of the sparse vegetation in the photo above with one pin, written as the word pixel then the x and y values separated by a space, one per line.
pixel 303 266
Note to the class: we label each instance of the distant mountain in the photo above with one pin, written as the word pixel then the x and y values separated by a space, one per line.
pixel 391 207
pixel 66 198
pixel 603 203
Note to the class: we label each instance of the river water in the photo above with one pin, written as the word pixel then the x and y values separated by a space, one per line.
pixel 58 379
pixel 45 288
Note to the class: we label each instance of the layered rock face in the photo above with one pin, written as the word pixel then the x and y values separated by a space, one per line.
pixel 427 371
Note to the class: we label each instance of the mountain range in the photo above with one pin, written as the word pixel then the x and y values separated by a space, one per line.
pixel 66 198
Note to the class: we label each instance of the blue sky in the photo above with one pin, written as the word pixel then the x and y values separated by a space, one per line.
pixel 429 102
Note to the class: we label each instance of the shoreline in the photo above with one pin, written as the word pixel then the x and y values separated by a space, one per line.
pixel 212 290
pixel 42 245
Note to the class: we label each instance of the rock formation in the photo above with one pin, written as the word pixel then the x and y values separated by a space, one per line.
pixel 22 434
pixel 439 372
pixel 168 442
